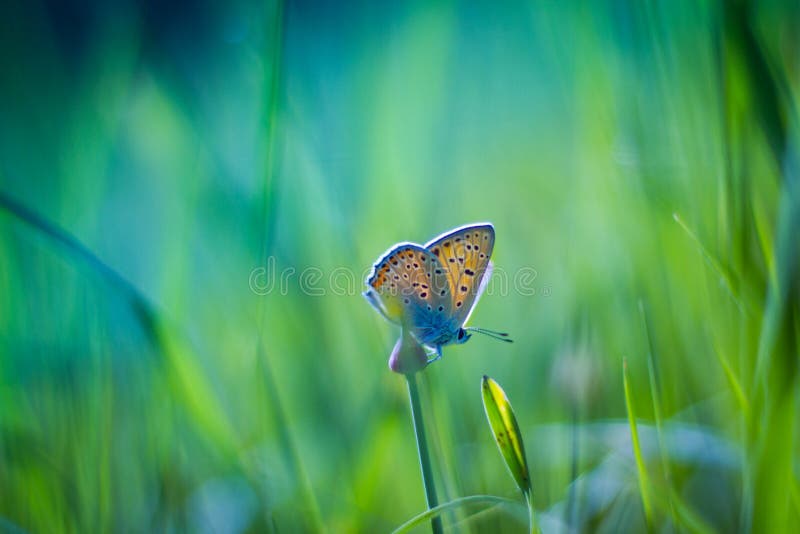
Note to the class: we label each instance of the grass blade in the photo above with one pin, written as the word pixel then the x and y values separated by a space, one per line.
pixel 487 500
pixel 738 392
pixel 654 394
pixel 724 276
pixel 644 482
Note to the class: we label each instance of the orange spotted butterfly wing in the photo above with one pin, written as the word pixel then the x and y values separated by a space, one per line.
pixel 465 253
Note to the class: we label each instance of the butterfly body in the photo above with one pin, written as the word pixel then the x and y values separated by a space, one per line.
pixel 431 290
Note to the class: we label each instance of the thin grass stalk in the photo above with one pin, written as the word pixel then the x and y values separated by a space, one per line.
pixel 655 393
pixel 533 526
pixel 644 481
pixel 490 500
pixel 725 278
pixel 570 511
pixel 428 483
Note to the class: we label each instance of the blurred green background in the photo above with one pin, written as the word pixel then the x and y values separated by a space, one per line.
pixel 641 157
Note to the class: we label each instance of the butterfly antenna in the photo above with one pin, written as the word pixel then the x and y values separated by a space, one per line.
pixel 500 336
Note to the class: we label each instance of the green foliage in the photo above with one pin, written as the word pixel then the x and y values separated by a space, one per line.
pixel 153 159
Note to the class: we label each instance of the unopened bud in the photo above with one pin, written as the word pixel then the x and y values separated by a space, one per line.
pixel 408 356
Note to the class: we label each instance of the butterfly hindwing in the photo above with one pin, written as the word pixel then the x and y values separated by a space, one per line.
pixel 465 254
pixel 409 286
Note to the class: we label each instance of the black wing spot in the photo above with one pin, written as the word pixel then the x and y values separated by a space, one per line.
pixel 435 251
pixel 423 294
pixel 394 262
pixel 405 276
pixel 457 240
pixel 416 265
pixel 429 307
pixel 406 301
pixel 469 247
pixel 483 255
pixel 446 244
pixel 469 272
pixel 467 236
pixel 458 304
pixel 415 284
pixel 438 271
pixel 441 308
pixel 408 266
pixel 442 292
pixel 464 289
pixel 424 286
pixel 460 260
pixel 452 260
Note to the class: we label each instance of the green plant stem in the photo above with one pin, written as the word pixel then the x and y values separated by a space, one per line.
pixel 534 528
pixel 422 448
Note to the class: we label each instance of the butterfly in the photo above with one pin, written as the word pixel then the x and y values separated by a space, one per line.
pixel 431 290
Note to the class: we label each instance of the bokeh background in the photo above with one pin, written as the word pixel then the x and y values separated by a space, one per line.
pixel 640 157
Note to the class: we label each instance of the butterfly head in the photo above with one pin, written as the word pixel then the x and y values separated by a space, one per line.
pixel 462 336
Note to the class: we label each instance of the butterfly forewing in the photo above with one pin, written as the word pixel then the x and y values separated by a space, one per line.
pixel 409 286
pixel 465 255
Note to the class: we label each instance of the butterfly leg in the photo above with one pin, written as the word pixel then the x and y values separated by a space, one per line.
pixel 438 355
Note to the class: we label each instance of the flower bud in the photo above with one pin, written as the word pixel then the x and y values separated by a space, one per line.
pixel 408 356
